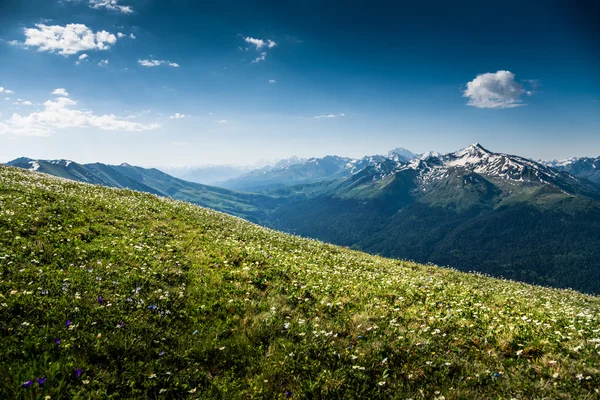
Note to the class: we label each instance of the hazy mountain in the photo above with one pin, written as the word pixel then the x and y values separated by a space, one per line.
pixel 584 167
pixel 206 175
pixel 307 171
pixel 215 174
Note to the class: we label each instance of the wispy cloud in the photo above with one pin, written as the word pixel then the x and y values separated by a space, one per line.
pixel 223 121
pixel 61 113
pixel 21 102
pixel 329 116
pixel 272 81
pixel 61 92
pixel 3 90
pixel 103 63
pixel 178 116
pixel 157 63
pixel 67 40
pixel 262 57
pixel 260 43
pixel 495 90
pixel 112 5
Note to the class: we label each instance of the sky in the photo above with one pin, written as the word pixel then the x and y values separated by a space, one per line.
pixel 184 82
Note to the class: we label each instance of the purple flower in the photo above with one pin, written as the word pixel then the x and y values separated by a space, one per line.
pixel 100 300
pixel 57 341
pixel 41 381
pixel 161 353
pixel 27 384
pixel 68 322
pixel 121 324
pixel 78 373
pixel 288 394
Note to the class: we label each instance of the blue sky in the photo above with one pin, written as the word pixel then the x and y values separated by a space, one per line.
pixel 248 79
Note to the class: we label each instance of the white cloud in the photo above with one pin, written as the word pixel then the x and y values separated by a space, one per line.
pixel 272 81
pixel 223 121
pixel 21 102
pixel 132 36
pixel 6 98
pixel 262 57
pixel 178 116
pixel 330 116
pixel 157 63
pixel 83 57
pixel 121 35
pixel 112 5
pixel 60 92
pixel 69 39
pixel 259 43
pixel 2 90
pixel 61 114
pixel 495 90
pixel 103 63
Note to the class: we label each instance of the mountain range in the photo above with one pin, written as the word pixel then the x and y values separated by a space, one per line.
pixel 474 210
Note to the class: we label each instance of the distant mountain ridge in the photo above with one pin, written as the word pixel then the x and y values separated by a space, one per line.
pixel 585 167
pixel 213 174
pixel 473 209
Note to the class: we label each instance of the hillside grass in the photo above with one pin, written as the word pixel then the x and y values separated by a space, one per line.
pixel 109 293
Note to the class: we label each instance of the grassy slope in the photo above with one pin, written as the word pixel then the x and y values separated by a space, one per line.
pixel 215 307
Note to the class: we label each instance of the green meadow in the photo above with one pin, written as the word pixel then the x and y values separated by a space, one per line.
pixel 110 293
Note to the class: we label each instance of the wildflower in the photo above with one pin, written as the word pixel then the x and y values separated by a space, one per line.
pixel 41 381
pixel 78 373
pixel 381 383
pixel 162 353
pixel 68 323
pixel 286 325
pixel 85 382
pixel 100 299
pixel 152 376
pixel 57 341
pixel 193 390
pixel 120 324
pixel 288 394
pixel 519 352
pixel 27 384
